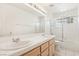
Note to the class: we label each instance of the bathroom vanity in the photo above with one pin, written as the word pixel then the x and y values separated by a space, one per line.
pixel 45 49
pixel 32 45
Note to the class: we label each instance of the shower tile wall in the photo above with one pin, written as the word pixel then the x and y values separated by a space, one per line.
pixel 70 33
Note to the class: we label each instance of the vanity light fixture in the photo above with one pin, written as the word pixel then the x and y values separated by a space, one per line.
pixel 36 8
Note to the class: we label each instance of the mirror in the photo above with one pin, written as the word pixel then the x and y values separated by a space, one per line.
pixel 18 21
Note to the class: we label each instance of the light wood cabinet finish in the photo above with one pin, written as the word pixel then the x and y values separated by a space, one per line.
pixel 51 42
pixel 44 46
pixel 34 52
pixel 45 52
pixel 51 50
pixel 46 49
pixel 51 47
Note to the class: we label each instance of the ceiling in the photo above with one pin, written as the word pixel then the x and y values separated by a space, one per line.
pixel 58 7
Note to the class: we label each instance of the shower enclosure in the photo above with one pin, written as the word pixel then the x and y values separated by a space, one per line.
pixel 66 31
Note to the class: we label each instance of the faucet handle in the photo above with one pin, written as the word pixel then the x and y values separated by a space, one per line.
pixel 17 39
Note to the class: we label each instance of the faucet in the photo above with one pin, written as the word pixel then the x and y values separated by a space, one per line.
pixel 43 34
pixel 14 39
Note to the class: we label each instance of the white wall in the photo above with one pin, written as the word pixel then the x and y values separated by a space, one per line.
pixel 47 25
pixel 72 12
pixel 48 20
pixel 70 30
pixel 18 21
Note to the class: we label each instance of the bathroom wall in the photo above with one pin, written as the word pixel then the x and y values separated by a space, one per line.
pixel 48 21
pixel 70 31
pixel 17 21
pixel 47 25
pixel 71 12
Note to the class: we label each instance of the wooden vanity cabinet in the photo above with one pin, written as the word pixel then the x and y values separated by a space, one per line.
pixel 34 52
pixel 46 49
pixel 51 48
pixel 44 46
pixel 45 53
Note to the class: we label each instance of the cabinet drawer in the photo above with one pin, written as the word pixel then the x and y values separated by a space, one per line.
pixel 34 52
pixel 45 52
pixel 44 46
pixel 51 42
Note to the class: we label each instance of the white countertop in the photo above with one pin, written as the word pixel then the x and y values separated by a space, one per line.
pixel 36 40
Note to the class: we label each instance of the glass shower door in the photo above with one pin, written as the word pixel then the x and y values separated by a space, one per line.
pixel 59 30
pixel 67 32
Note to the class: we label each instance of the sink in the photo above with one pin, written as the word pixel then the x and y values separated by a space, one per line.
pixel 14 45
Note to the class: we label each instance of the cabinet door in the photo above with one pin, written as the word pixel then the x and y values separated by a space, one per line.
pixel 51 42
pixel 51 50
pixel 34 52
pixel 44 46
pixel 45 52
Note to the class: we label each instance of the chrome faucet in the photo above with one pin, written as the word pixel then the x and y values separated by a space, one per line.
pixel 14 39
pixel 43 34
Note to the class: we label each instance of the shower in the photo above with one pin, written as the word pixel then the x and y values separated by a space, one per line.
pixel 59 26
pixel 66 32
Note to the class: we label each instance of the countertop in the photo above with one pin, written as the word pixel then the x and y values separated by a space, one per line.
pixel 36 40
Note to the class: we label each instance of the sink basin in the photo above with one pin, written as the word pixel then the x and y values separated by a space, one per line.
pixel 14 45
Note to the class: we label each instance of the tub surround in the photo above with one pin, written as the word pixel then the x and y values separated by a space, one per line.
pixel 36 41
